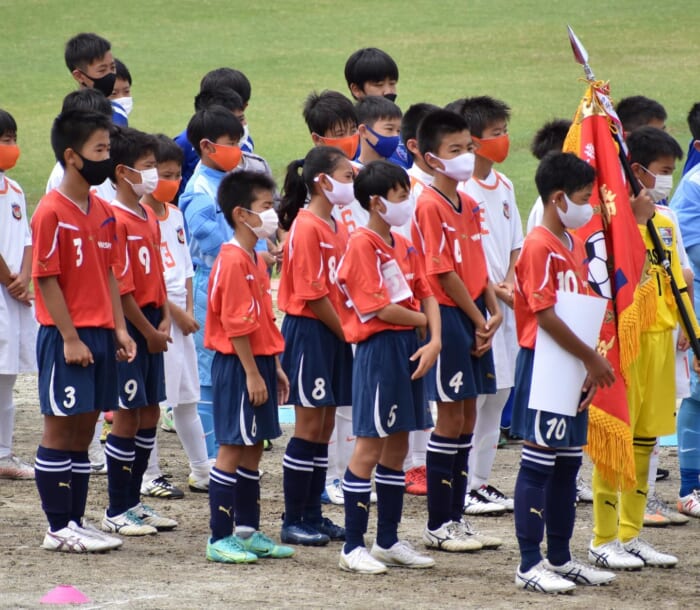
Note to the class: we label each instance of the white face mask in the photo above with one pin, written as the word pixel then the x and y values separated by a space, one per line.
pixel 662 186
pixel 458 168
pixel 269 223
pixel 343 193
pixel 397 214
pixel 127 103
pixel 576 215
pixel 149 181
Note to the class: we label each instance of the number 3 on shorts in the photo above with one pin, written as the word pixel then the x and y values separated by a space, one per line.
pixel 130 389
pixel 556 426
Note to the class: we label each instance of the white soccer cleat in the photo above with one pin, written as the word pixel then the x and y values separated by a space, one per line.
pixel 334 492
pixel 91 530
pixel 73 539
pixel 360 561
pixel 152 518
pixel 401 555
pixel 127 524
pixel 580 573
pixel 487 541
pixel 541 580
pixel 476 504
pixel 613 556
pixel 583 492
pixel 641 549
pixel 11 467
pixel 657 507
pixel 496 496
pixel 690 504
pixel 450 537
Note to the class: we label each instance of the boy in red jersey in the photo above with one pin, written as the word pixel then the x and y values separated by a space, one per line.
pixel 81 324
pixel 143 294
pixel 447 230
pixel 247 379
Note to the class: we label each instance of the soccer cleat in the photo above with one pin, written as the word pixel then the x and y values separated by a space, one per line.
pixel 96 455
pixel 198 485
pixel 496 496
pixel 360 561
pixel 690 504
pixel 583 492
pixel 538 578
pixel 401 555
pixel 267 445
pixel 152 518
pixel 486 540
pixel 612 556
pixel 229 550
pixel 167 424
pixel 333 493
pixel 11 467
pixel 262 546
pixel 160 487
pixel 106 428
pixel 662 474
pixel 127 524
pixel 648 554
pixel 450 537
pixel 330 529
pixel 580 573
pixel 476 504
pixel 416 482
pixel 304 534
pixel 91 530
pixel 657 508
pixel 73 539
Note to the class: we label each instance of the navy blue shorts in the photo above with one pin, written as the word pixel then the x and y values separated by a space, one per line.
pixel 142 382
pixel 542 427
pixel 236 421
pixel 69 389
pixel 457 374
pixel 318 364
pixel 384 398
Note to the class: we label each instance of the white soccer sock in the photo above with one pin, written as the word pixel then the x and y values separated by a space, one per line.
pixel 332 472
pixel 653 467
pixel 346 439
pixel 153 470
pixel 7 414
pixel 420 447
pixel 486 433
pixel 191 435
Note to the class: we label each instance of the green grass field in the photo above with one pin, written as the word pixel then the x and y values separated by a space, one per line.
pixel 517 51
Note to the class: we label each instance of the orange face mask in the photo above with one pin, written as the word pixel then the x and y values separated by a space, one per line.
pixel 495 149
pixel 225 156
pixel 347 144
pixel 9 153
pixel 166 190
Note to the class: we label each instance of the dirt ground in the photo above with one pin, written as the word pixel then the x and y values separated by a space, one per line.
pixel 169 570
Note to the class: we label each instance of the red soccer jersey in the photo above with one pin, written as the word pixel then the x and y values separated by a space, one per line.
pixel 544 266
pixel 365 275
pixel 309 268
pixel 240 304
pixel 450 241
pixel 141 269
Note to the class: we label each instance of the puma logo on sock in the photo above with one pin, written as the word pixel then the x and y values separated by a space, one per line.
pixel 612 504
pixel 225 510
pixel 64 484
pixel 539 512
pixel 446 482
pixel 365 506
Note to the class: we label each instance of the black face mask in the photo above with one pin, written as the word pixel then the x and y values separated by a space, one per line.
pixel 104 84
pixel 95 172
pixel 390 96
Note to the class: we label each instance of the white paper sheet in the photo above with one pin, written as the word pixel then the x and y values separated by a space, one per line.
pixel 557 376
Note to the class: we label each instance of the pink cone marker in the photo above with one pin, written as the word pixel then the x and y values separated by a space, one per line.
pixel 64 594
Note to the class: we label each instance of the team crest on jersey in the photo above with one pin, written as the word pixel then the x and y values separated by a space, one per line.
pixel 181 235
pixel 16 211
pixel 666 234
pixel 506 209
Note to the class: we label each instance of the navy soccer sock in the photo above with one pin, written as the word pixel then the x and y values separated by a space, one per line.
pixel 247 499
pixel 120 454
pixel 391 485
pixel 222 503
pixel 312 509
pixel 460 475
pixel 536 468
pixel 144 442
pixel 690 480
pixel 439 466
pixel 53 476
pixel 298 468
pixel 80 467
pixel 356 492
pixel 560 507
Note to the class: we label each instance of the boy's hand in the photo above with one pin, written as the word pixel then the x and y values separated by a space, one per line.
pixel 19 287
pixel 126 346
pixel 600 371
pixel 588 392
pixel 76 352
pixel 158 340
pixel 683 343
pixel 282 386
pixel 504 291
pixel 184 320
pixel 257 390
pixel 643 207
pixel 484 334
pixel 426 356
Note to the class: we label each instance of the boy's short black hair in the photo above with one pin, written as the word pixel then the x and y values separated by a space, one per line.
pixel 212 123
pixel 87 99
pixel 370 64
pixel 128 145
pixel 73 128
pixel 637 110
pixel 167 149
pixel 378 178
pixel 8 125
pixel 694 121
pixel 562 172
pixel 550 137
pixel 227 77
pixel 240 189
pixel 375 108
pixel 122 70
pixel 412 118
pixel 223 96
pixel 480 112
pixel 435 126
pixel 83 49
pixel 647 144
pixel 325 110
